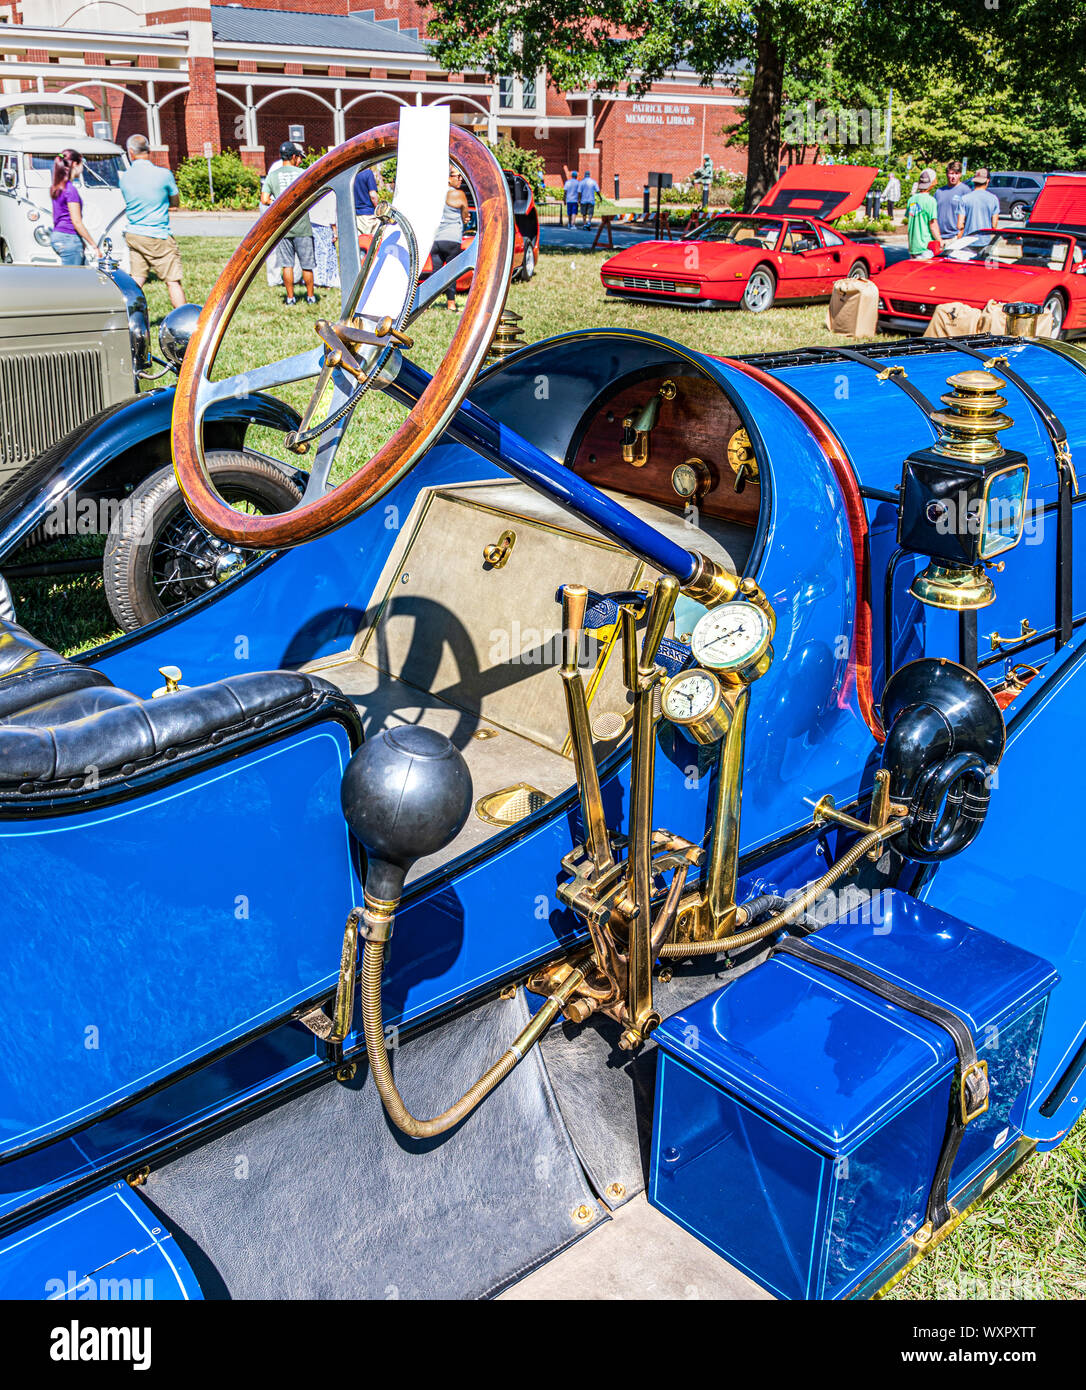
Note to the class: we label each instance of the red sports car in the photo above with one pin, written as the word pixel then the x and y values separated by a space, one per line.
pixel 785 250
pixel 1042 263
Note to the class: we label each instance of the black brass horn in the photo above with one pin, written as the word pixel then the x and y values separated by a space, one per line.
pixel 944 737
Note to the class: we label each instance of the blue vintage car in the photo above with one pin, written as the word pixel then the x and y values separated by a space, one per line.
pixel 644 769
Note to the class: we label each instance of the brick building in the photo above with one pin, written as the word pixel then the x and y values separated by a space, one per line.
pixel 237 76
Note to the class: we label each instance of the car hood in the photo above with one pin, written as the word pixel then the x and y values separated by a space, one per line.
pixel 943 279
pixel 819 190
pixel 1061 203
pixel 670 256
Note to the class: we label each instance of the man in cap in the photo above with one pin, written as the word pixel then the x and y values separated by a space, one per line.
pixel 922 218
pixel 298 242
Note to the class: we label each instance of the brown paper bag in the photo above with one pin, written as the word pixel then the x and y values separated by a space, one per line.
pixel 853 309
pixel 993 318
pixel 953 320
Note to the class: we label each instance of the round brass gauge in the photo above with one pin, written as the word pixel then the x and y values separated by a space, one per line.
pixel 732 637
pixel 691 479
pixel 694 700
pixel 741 459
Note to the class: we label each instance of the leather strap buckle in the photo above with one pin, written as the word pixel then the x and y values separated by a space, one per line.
pixel 974 1091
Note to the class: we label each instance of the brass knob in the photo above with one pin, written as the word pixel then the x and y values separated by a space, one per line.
pixel 172 676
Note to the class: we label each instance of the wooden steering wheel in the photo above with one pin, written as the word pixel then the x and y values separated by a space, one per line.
pixel 341 375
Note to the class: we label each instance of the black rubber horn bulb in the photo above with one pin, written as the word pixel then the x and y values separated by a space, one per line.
pixel 406 793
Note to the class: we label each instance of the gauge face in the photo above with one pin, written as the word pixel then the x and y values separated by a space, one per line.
pixel 690 478
pixel 689 696
pixel 731 636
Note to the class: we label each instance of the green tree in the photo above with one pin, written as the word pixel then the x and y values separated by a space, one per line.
pixel 607 44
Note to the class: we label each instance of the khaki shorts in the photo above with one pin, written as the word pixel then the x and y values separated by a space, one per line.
pixel 159 254
pixel 367 224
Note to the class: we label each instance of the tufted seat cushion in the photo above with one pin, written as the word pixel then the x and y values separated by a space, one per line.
pixel 63 725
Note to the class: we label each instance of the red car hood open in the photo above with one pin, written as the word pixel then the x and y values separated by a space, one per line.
pixel 819 190
pixel 1061 203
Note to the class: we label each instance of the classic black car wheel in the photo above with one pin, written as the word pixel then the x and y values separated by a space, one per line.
pixel 760 291
pixel 859 271
pixel 1054 305
pixel 158 556
pixel 1019 211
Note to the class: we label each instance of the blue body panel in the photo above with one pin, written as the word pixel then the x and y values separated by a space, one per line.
pixel 109 1245
pixel 1033 887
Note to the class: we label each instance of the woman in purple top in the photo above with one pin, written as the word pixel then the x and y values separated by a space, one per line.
pixel 69 232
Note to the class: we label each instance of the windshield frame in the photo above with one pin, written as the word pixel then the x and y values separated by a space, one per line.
pixel 1018 236
pixel 735 220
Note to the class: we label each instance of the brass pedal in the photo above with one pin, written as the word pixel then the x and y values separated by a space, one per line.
pixel 510 804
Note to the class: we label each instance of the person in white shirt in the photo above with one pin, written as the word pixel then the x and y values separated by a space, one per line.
pixel 322 216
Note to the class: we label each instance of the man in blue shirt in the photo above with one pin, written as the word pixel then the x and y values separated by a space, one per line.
pixel 365 202
pixel 981 207
pixel 948 201
pixel 588 190
pixel 149 193
pixel 572 191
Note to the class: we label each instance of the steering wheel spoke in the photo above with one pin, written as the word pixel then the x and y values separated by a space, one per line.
pixel 281 373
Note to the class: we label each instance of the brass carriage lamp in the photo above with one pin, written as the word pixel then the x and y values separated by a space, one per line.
pixel 963 500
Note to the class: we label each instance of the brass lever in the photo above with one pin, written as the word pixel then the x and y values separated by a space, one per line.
pixel 574 604
pixel 639 866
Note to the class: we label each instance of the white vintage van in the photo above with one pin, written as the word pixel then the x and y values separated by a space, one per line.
pixel 34 128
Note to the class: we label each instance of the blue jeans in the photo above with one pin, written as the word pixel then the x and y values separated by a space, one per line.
pixel 68 247
pixel 571 213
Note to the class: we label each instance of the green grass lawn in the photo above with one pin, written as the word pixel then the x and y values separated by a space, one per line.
pixel 1029 1239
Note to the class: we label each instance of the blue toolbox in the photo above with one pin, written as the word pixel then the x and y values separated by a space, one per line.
pixel 827 1106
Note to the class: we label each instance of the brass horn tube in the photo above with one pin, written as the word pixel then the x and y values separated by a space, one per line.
pixel 796 908
pixel 373 959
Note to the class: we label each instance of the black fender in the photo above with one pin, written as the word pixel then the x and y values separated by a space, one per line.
pixel 114 433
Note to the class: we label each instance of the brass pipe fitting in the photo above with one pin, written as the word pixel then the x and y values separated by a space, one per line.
pixel 796 908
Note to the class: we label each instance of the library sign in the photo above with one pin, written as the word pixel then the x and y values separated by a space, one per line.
pixel 658 113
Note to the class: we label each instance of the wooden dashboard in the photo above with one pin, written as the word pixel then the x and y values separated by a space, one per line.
pixel 699 422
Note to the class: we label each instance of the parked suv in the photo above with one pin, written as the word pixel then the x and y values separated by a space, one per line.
pixel 1017 191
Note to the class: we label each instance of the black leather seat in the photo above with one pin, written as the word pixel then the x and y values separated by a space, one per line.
pixel 64 726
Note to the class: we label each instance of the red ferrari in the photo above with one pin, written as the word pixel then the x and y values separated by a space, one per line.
pixel 784 250
pixel 1041 263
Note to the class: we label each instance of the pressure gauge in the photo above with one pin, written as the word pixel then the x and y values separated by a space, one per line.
pixel 691 479
pixel 694 700
pixel 732 637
